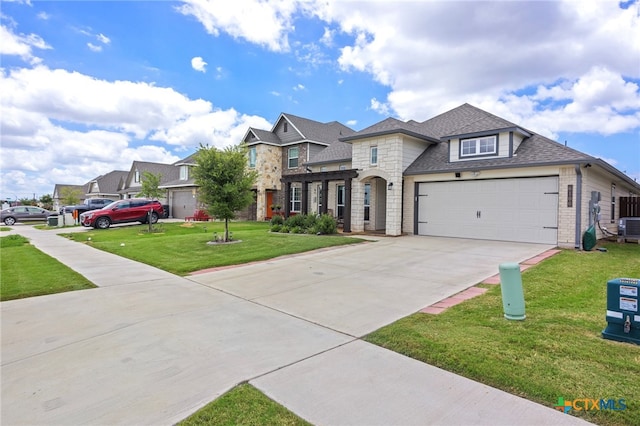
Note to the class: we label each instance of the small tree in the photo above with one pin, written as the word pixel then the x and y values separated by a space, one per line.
pixel 47 201
pixel 70 196
pixel 150 183
pixel 224 180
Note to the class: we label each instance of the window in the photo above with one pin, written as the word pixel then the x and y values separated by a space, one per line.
pixel 136 177
pixel 252 157
pixel 478 146
pixel 323 168
pixel 569 195
pixel 184 172
pixel 286 127
pixel 613 203
pixel 340 201
pixel 374 155
pixel 342 167
pixel 293 158
pixel 367 200
pixel 296 204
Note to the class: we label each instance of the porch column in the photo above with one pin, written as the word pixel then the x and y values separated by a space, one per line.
pixel 347 206
pixel 325 196
pixel 305 197
pixel 287 199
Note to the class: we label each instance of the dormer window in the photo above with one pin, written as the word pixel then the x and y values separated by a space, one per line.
pixel 184 172
pixel 482 146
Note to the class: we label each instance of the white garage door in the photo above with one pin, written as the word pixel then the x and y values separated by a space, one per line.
pixel 524 209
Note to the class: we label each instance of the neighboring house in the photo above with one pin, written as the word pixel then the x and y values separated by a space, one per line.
pixel 132 183
pixel 285 150
pixel 182 192
pixel 59 191
pixel 107 185
pixel 465 173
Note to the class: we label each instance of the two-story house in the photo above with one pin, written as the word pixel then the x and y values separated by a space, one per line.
pixel 284 151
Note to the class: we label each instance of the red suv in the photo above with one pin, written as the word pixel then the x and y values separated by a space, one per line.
pixel 123 211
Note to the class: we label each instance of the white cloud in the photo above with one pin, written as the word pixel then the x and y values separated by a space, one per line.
pixel 380 107
pixel 54 113
pixel 199 64
pixel 256 21
pixel 94 48
pixel 103 39
pixel 437 55
pixel 327 37
pixel 20 44
pixel 298 87
pixel 352 123
pixel 44 16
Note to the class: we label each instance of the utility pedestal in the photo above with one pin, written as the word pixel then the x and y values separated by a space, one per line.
pixel 512 293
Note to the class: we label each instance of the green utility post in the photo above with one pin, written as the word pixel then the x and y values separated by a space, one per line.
pixel 512 294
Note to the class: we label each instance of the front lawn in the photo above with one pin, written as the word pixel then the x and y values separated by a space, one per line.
pixel 25 271
pixel 558 351
pixel 243 405
pixel 182 248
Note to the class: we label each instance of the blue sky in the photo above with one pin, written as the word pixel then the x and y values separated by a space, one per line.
pixel 88 87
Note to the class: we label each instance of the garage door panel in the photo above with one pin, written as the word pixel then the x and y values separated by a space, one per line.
pixel 522 209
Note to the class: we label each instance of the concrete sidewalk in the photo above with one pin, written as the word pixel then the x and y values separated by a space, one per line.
pixel 149 347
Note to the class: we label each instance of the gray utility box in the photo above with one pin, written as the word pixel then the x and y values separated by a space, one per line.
pixel 623 317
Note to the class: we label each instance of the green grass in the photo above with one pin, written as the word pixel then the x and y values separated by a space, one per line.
pixel 558 351
pixel 243 405
pixel 25 271
pixel 180 248
pixel 4 228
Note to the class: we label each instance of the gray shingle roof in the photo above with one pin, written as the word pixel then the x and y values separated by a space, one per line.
pixel 168 172
pixel 109 183
pixel 388 126
pixel 337 151
pixel 187 161
pixel 536 150
pixel 461 120
pixel 318 132
pixel 264 136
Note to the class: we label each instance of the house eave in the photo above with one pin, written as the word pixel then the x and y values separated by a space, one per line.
pixel 487 133
pixel 390 132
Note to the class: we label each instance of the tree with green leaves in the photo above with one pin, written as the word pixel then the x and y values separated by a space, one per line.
pixel 70 196
pixel 150 183
pixel 225 181
pixel 47 201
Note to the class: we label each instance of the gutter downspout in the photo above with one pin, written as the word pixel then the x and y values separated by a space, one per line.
pixel 578 243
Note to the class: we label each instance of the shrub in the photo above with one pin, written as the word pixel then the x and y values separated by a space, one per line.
pixel 284 229
pixel 276 228
pixel 310 221
pixel 277 220
pixel 326 224
pixel 297 220
pixel 297 230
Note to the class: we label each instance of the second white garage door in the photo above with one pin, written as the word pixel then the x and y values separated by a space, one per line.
pixel 523 209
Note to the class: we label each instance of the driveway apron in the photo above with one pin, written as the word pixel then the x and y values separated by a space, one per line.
pixel 149 347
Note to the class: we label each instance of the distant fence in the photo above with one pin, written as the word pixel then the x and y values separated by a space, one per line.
pixel 629 207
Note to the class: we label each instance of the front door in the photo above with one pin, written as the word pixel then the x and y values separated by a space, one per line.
pixel 269 210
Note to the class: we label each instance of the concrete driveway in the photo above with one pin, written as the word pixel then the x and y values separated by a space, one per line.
pixel 153 348
pixel 358 289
